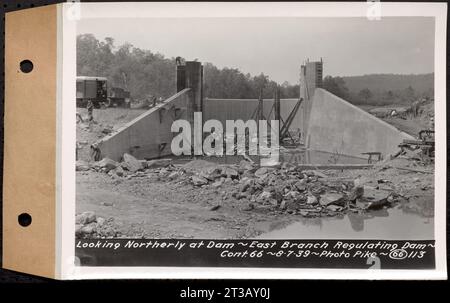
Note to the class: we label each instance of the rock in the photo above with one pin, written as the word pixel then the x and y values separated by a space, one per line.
pixel 247 184
pixel 85 218
pixel 334 208
pixel 78 229
pixel 360 204
pixel 212 173
pixel 100 221
pixel 301 185
pixel 312 173
pixel 261 172
pixel 88 229
pixel 230 172
pixel 273 202
pixel 217 184
pixel 119 171
pixel 248 207
pixel 158 163
pixel 173 175
pixel 107 130
pixel 240 196
pixel 265 195
pixel 245 165
pixel 376 198
pixel 356 193
pixel 311 200
pixel 215 207
pixel 198 181
pixel 107 164
pixel 330 198
pixel 81 165
pixel 130 163
pixel 293 194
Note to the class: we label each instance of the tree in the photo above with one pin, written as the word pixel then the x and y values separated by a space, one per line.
pixel 336 86
pixel 409 94
pixel 145 73
pixel 365 94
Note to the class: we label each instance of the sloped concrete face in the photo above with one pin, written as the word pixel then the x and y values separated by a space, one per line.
pixel 149 135
pixel 336 126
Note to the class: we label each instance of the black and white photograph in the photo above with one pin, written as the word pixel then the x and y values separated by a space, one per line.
pixel 270 141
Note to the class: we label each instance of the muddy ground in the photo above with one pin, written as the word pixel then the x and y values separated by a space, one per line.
pixel 171 201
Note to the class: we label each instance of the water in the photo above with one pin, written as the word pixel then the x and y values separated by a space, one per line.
pixel 387 224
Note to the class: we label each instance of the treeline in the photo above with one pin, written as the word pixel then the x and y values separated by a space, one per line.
pixel 379 90
pixel 145 73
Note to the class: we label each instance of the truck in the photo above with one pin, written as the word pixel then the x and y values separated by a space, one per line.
pixel 98 91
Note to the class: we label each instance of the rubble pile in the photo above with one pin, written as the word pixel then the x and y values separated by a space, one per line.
pixel 88 225
pixel 286 188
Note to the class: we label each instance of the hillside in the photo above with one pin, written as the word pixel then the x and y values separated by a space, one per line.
pixel 379 83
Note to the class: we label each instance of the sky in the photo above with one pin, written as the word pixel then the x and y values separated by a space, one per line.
pixel 278 46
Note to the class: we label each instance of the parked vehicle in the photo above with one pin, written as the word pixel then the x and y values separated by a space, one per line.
pixel 97 90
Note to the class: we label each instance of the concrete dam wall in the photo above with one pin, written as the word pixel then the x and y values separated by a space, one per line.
pixel 235 109
pixel 336 126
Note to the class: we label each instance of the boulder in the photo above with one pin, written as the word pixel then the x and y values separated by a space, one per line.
pixel 261 172
pixel 245 165
pixel 376 198
pixel 119 171
pixel 334 208
pixel 88 229
pixel 198 181
pixel 107 164
pixel 331 198
pixel 311 200
pixel 173 175
pixel 246 184
pixel 230 172
pixel 301 185
pixel 158 163
pixel 265 195
pixel 78 229
pixel 100 221
pixel 81 165
pixel 130 163
pixel 218 183
pixel 356 193
pixel 85 218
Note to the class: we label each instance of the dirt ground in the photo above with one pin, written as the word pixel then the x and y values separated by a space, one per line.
pixel 150 204
pixel 146 207
pixel 411 125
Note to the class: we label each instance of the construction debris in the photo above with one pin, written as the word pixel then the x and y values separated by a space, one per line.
pixel 131 164
pixel 287 188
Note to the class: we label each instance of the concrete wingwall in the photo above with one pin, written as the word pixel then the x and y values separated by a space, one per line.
pixel 149 135
pixel 336 126
pixel 235 109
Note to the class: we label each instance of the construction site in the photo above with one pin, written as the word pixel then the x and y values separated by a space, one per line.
pixel 339 168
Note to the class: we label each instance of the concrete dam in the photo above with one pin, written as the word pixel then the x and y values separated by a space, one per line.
pixel 323 121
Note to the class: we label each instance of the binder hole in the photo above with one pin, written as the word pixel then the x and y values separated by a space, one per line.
pixel 26 66
pixel 24 219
